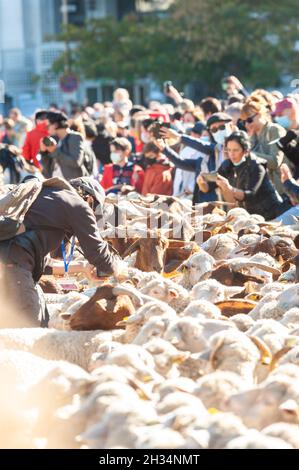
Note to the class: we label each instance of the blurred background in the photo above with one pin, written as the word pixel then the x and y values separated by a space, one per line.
pixel 67 51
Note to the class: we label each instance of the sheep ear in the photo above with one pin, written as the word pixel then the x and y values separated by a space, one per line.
pixel 266 355
pixel 291 407
pixel 173 294
pixel 65 316
pixel 132 248
pixel 213 358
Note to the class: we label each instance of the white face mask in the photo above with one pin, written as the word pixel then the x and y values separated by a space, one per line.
pixel 220 136
pixel 144 137
pixel 115 158
pixel 243 160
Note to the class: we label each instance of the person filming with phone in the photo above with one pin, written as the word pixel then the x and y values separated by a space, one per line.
pixel 242 179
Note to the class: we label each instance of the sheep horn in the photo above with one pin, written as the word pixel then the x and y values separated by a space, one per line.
pixel 263 267
pixel 126 290
pixel 278 355
pixel 132 248
pixel 213 359
pixel 266 355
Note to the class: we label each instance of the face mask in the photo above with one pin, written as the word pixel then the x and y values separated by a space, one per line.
pixel 220 136
pixel 243 160
pixel 283 121
pixel 115 158
pixel 205 138
pixel 150 161
pixel 144 137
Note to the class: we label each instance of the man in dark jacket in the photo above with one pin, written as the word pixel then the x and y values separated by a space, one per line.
pixel 55 214
pixel 70 153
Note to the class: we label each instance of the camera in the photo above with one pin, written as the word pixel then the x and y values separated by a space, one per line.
pixel 49 141
pixel 210 177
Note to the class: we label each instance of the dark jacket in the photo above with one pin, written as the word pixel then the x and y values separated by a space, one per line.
pixel 195 166
pixel 290 147
pixel 54 214
pixel 252 178
pixel 292 188
pixel 70 156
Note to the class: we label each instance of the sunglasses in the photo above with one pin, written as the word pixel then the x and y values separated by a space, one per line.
pixel 250 119
pixel 219 128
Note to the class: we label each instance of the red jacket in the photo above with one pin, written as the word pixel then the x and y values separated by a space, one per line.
pixel 32 143
pixel 131 174
pixel 153 180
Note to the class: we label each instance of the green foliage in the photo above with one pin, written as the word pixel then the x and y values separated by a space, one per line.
pixel 199 40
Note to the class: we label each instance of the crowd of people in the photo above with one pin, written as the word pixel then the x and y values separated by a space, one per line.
pixel 241 149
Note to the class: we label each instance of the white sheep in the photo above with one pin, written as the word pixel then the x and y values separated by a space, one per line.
pixel 285 431
pixel 155 326
pixel 274 306
pixel 215 388
pixel 135 322
pixel 219 246
pixel 242 321
pixel 272 332
pixel 189 334
pixel 196 268
pixel 72 346
pixel 166 356
pixel 202 308
pixel 256 440
pixel 213 291
pixel 169 292
pixel 291 318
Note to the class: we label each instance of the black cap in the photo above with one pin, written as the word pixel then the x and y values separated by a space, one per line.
pixel 41 114
pixel 218 117
pixel 90 186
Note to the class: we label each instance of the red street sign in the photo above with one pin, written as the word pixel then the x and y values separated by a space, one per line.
pixel 69 83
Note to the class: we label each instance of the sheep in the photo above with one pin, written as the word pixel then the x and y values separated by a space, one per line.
pixel 219 246
pixel 196 268
pixel 68 304
pixel 274 400
pixel 213 291
pixel 222 428
pixel 291 318
pixel 276 305
pixel 131 356
pixel 120 425
pixel 156 326
pixel 242 321
pixel 173 401
pixel 273 333
pixel 234 351
pixel 150 252
pixel 158 437
pixel 188 334
pixel 215 388
pixel 103 310
pixel 177 384
pixel 165 355
pixel 285 431
pixel 202 308
pixel 134 323
pixel 169 292
pixel 256 440
pixel 72 346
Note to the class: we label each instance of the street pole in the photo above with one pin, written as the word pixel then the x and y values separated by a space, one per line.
pixel 65 22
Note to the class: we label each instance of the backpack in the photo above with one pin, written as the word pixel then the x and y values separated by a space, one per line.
pixel 15 201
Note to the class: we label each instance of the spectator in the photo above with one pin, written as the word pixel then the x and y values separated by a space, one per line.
pixel 292 188
pixel 158 174
pixel 32 143
pixel 121 172
pixel 264 134
pixel 21 127
pixel 243 180
pixel 210 106
pixel 9 134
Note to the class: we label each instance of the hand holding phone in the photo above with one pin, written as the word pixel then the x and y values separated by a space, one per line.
pixel 210 177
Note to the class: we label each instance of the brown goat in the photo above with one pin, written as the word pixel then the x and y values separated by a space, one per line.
pixel 102 311
pixel 150 253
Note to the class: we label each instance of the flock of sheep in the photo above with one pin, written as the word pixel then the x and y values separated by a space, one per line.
pixel 197 349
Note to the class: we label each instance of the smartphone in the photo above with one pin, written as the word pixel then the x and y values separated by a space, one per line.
pixel 210 177
pixel 155 128
pixel 49 141
pixel 167 86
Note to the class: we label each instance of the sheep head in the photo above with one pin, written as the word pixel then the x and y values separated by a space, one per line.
pixel 150 252
pixel 103 311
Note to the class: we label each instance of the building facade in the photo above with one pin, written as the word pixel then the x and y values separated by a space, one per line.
pixel 28 50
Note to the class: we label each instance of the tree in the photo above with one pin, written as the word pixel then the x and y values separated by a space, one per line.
pixel 198 40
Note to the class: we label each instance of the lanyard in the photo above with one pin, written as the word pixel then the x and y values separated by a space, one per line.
pixel 68 260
